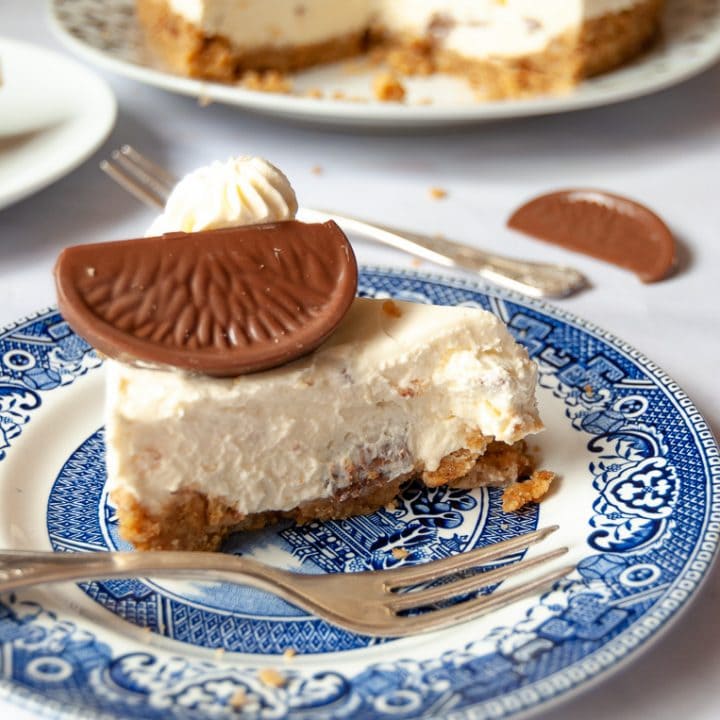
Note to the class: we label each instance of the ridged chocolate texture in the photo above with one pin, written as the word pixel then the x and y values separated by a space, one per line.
pixel 221 302
pixel 605 226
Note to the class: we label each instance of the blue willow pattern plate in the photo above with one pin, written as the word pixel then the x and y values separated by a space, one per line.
pixel 637 504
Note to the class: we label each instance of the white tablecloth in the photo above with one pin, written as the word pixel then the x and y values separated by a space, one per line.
pixel 663 150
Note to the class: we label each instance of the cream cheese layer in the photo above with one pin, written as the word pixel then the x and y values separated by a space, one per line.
pixel 472 28
pixel 401 391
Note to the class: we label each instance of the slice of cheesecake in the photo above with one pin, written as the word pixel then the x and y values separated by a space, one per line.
pixel 399 391
pixel 391 390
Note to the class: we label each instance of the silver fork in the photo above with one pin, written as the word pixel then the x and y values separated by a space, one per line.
pixel 370 603
pixel 151 184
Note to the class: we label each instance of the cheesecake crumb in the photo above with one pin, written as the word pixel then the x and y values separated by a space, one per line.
pixel 204 100
pixel 315 93
pixel 425 101
pixel 271 81
pixel 392 505
pixel 414 59
pixel 399 553
pixel 589 390
pixel 416 262
pixel 90 271
pixel 389 307
pixel 338 95
pixel 377 56
pixel 317 170
pixel 238 699
pixel 353 67
pixel 438 193
pixel 271 678
pixel 289 654
pixel 519 494
pixel 388 88
pixel 219 652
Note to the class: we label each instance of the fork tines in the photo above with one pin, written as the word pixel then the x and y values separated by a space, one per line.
pixel 140 176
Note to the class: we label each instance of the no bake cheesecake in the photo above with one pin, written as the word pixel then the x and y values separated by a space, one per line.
pixel 397 390
pixel 508 47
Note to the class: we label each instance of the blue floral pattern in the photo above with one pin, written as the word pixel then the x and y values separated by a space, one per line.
pixel 653 469
pixel 427 523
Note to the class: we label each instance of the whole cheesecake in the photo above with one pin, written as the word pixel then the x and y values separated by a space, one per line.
pixel 509 47
pixel 397 391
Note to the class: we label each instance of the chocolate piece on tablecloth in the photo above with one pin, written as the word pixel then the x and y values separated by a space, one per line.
pixel 219 302
pixel 606 226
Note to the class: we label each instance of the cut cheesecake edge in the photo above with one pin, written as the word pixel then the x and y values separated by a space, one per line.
pixel 597 44
pixel 195 520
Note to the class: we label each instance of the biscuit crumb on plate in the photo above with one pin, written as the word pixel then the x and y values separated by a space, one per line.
pixel 388 88
pixel 271 81
pixel 272 678
pixel 399 553
pixel 289 654
pixel 519 494
pixel 238 699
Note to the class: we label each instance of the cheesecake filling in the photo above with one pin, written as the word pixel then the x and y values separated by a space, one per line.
pixel 475 29
pixel 395 390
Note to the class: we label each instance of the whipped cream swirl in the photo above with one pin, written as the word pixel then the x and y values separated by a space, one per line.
pixel 240 191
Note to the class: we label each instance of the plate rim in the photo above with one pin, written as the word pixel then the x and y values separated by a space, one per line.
pixel 27 699
pixel 103 130
pixel 383 115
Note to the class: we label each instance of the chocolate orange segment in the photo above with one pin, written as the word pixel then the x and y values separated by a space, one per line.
pixel 221 302
pixel 606 226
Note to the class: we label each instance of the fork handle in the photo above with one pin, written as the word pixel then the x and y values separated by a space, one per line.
pixel 26 568
pixel 532 278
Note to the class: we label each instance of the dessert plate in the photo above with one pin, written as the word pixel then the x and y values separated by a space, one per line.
pixel 106 32
pixel 637 504
pixel 45 132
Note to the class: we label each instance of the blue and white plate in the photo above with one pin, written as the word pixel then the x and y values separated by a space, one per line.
pixel 637 505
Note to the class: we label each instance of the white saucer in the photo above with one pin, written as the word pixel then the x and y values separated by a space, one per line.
pixel 54 113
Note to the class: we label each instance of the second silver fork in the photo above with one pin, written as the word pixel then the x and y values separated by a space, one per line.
pixel 152 184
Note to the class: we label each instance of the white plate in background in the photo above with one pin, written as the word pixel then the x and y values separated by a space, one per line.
pixel 54 113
